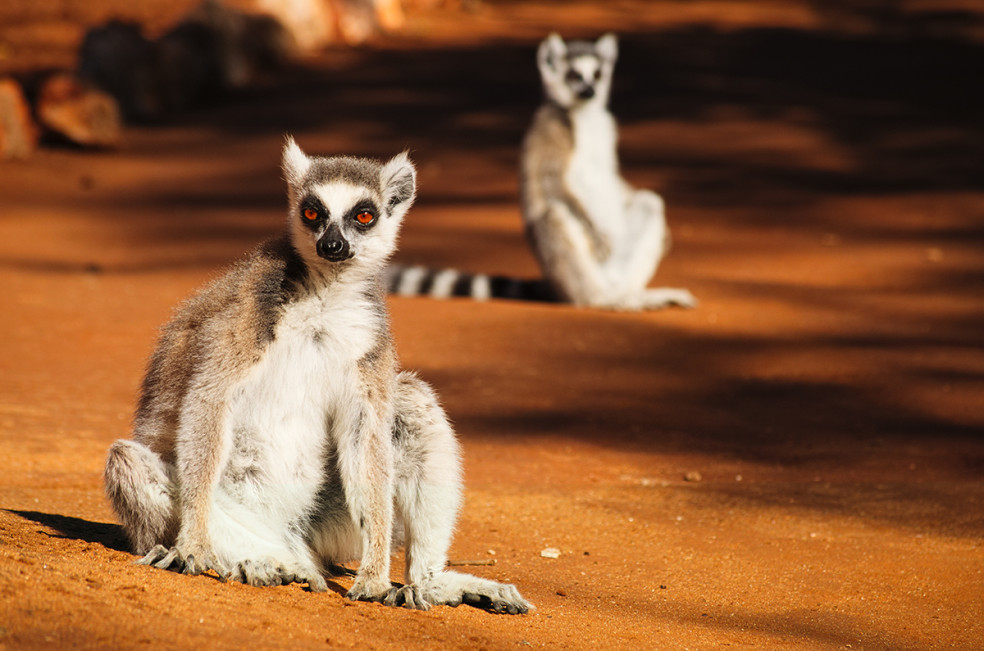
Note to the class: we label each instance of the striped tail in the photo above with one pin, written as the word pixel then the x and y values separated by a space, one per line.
pixel 448 283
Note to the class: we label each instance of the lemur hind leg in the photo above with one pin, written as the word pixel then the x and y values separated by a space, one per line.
pixel 647 240
pixel 644 241
pixel 428 492
pixel 140 488
pixel 568 259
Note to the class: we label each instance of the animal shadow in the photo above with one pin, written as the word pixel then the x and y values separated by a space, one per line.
pixel 108 535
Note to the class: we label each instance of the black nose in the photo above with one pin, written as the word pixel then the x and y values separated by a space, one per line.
pixel 586 93
pixel 333 247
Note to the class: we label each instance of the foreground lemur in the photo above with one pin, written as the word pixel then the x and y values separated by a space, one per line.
pixel 275 438
pixel 598 240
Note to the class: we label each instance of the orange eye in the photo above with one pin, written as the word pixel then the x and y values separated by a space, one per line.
pixel 310 214
pixel 365 218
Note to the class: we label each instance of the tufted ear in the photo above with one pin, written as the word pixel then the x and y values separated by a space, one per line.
pixel 549 54
pixel 398 180
pixel 607 47
pixel 295 162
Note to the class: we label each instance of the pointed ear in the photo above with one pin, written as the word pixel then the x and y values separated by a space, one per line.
pixel 550 52
pixel 295 162
pixel 398 180
pixel 607 47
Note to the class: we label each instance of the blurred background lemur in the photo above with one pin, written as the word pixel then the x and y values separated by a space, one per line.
pixel 598 240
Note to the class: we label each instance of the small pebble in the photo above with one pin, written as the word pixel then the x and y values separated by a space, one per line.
pixel 693 476
pixel 550 552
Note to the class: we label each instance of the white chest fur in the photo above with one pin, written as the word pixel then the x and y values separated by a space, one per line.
pixel 592 174
pixel 281 413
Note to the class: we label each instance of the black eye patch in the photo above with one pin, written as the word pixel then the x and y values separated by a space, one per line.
pixel 312 212
pixel 364 215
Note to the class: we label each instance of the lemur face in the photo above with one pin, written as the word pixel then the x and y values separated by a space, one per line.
pixel 344 210
pixel 578 72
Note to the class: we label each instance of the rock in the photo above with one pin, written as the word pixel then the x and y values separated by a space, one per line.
pixel 18 133
pixel 356 20
pixel 117 58
pixel 78 112
pixel 316 23
pixel 189 66
pixel 550 552
pixel 311 23
pixel 248 48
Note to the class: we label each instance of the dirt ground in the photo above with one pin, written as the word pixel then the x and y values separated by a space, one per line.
pixel 797 463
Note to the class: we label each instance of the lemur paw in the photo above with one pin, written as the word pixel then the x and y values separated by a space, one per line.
pixel 453 589
pixel 186 561
pixel 267 573
pixel 407 596
pixel 506 600
pixel 369 589
pixel 659 298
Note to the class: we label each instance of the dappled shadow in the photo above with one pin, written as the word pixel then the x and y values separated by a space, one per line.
pixel 716 406
pixel 796 117
pixel 901 115
pixel 902 111
pixel 754 118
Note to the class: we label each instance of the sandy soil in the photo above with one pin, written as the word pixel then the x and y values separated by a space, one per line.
pixel 826 400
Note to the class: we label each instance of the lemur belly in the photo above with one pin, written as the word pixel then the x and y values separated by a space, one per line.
pixel 592 172
pixel 281 413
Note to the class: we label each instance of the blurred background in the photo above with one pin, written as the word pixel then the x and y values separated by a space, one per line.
pixel 798 462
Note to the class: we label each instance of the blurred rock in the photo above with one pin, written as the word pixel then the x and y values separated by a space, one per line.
pixel 389 14
pixel 117 58
pixel 189 65
pixel 213 49
pixel 18 134
pixel 315 23
pixel 246 48
pixel 357 20
pixel 311 23
pixel 78 112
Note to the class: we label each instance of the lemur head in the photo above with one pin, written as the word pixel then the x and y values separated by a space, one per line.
pixel 579 72
pixel 346 211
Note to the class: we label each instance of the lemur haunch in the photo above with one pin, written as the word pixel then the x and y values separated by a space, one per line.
pixel 275 436
pixel 597 239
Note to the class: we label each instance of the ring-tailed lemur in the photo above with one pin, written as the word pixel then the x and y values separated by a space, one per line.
pixel 275 436
pixel 598 240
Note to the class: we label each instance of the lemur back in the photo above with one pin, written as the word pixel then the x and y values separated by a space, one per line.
pixel 275 436
pixel 598 240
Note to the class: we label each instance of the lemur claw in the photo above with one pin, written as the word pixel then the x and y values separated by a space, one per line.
pixel 175 560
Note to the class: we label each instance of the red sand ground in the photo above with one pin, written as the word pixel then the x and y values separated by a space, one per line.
pixel 825 193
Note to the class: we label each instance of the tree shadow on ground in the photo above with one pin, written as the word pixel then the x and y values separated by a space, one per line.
pixel 901 107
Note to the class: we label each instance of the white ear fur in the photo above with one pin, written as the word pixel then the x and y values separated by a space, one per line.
pixel 398 179
pixel 607 46
pixel 550 52
pixel 295 162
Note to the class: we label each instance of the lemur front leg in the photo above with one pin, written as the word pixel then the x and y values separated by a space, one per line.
pixel 200 449
pixel 646 241
pixel 428 496
pixel 365 464
pixel 567 256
